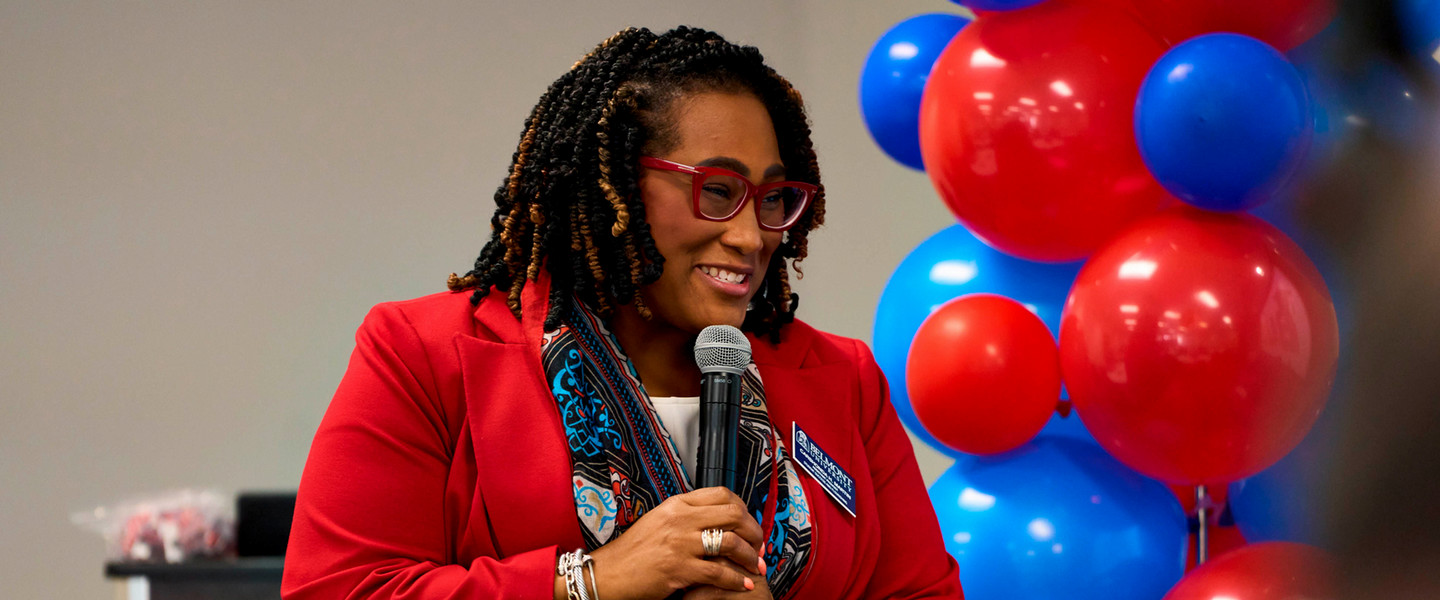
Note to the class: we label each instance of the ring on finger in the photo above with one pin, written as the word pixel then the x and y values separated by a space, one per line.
pixel 710 540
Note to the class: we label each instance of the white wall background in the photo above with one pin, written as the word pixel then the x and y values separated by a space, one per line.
pixel 200 200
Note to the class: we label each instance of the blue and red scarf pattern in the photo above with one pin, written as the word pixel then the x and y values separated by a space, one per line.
pixel 625 462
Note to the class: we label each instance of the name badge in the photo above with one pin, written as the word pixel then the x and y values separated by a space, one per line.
pixel 833 479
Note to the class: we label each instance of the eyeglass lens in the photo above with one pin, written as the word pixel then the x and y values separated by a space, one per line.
pixel 721 193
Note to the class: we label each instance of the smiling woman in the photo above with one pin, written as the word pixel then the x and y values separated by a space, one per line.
pixel 530 433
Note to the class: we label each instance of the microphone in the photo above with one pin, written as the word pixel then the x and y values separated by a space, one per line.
pixel 722 353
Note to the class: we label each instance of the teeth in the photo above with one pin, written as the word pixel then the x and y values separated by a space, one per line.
pixel 724 275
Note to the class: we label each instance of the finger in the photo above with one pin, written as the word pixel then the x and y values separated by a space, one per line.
pixel 740 552
pixel 720 574
pixel 699 593
pixel 706 592
pixel 727 517
pixel 710 496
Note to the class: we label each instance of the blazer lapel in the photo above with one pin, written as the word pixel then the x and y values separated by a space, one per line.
pixel 522 462
pixel 810 396
pixel 800 389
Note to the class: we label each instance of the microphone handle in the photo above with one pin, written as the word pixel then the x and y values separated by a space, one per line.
pixel 719 430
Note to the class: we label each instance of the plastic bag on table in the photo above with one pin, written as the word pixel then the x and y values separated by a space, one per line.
pixel 173 526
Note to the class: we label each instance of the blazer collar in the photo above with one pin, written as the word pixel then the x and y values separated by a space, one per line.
pixel 493 320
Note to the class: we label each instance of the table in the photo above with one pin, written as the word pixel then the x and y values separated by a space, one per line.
pixel 255 578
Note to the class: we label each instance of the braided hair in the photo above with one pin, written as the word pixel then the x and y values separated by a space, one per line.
pixel 571 202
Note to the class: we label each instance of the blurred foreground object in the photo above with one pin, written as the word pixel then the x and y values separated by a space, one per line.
pixel 1378 211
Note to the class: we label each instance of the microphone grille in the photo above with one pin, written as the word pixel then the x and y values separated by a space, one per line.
pixel 722 348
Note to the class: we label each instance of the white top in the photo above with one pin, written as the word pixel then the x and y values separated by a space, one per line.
pixel 681 416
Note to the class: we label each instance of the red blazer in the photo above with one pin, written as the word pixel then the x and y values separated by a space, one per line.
pixel 440 469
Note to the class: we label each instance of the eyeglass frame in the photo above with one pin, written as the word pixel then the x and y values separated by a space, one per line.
pixel 752 191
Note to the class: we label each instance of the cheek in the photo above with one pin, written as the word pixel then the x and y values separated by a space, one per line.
pixel 679 240
pixel 772 243
pixel 667 227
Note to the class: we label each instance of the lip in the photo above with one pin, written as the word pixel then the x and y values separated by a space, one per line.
pixel 739 290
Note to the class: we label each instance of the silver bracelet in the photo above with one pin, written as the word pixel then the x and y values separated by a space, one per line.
pixel 590 566
pixel 572 566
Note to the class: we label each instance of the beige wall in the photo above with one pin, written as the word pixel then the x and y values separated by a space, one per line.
pixel 199 202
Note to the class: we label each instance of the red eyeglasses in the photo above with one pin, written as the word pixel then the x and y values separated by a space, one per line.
pixel 719 194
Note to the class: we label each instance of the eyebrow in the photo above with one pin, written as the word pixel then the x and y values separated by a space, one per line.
pixel 734 164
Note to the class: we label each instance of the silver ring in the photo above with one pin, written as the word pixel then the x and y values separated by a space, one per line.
pixel 710 539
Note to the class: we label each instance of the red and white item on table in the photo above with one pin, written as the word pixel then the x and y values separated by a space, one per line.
pixel 170 527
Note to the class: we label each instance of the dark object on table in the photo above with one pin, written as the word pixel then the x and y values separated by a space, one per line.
pixel 263 522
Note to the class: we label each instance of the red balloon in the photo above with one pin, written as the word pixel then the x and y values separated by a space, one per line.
pixel 1220 541
pixel 1283 24
pixel 1199 347
pixel 983 374
pixel 1027 128
pixel 1265 571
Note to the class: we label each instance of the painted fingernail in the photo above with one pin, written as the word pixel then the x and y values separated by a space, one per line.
pixel 762 565
pixel 749 585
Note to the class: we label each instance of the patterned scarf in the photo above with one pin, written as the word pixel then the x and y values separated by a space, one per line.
pixel 626 463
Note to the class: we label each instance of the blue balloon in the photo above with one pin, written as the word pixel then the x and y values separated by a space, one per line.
pixel 1068 426
pixel 998 4
pixel 1223 121
pixel 893 80
pixel 1058 518
pixel 950 264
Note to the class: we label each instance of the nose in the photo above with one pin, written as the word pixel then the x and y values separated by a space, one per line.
pixel 743 232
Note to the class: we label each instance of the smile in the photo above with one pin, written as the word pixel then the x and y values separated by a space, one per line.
pixel 723 275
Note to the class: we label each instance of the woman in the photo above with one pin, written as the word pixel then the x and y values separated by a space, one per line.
pixel 496 440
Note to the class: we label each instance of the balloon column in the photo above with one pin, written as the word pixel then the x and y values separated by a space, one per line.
pixel 1197 342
